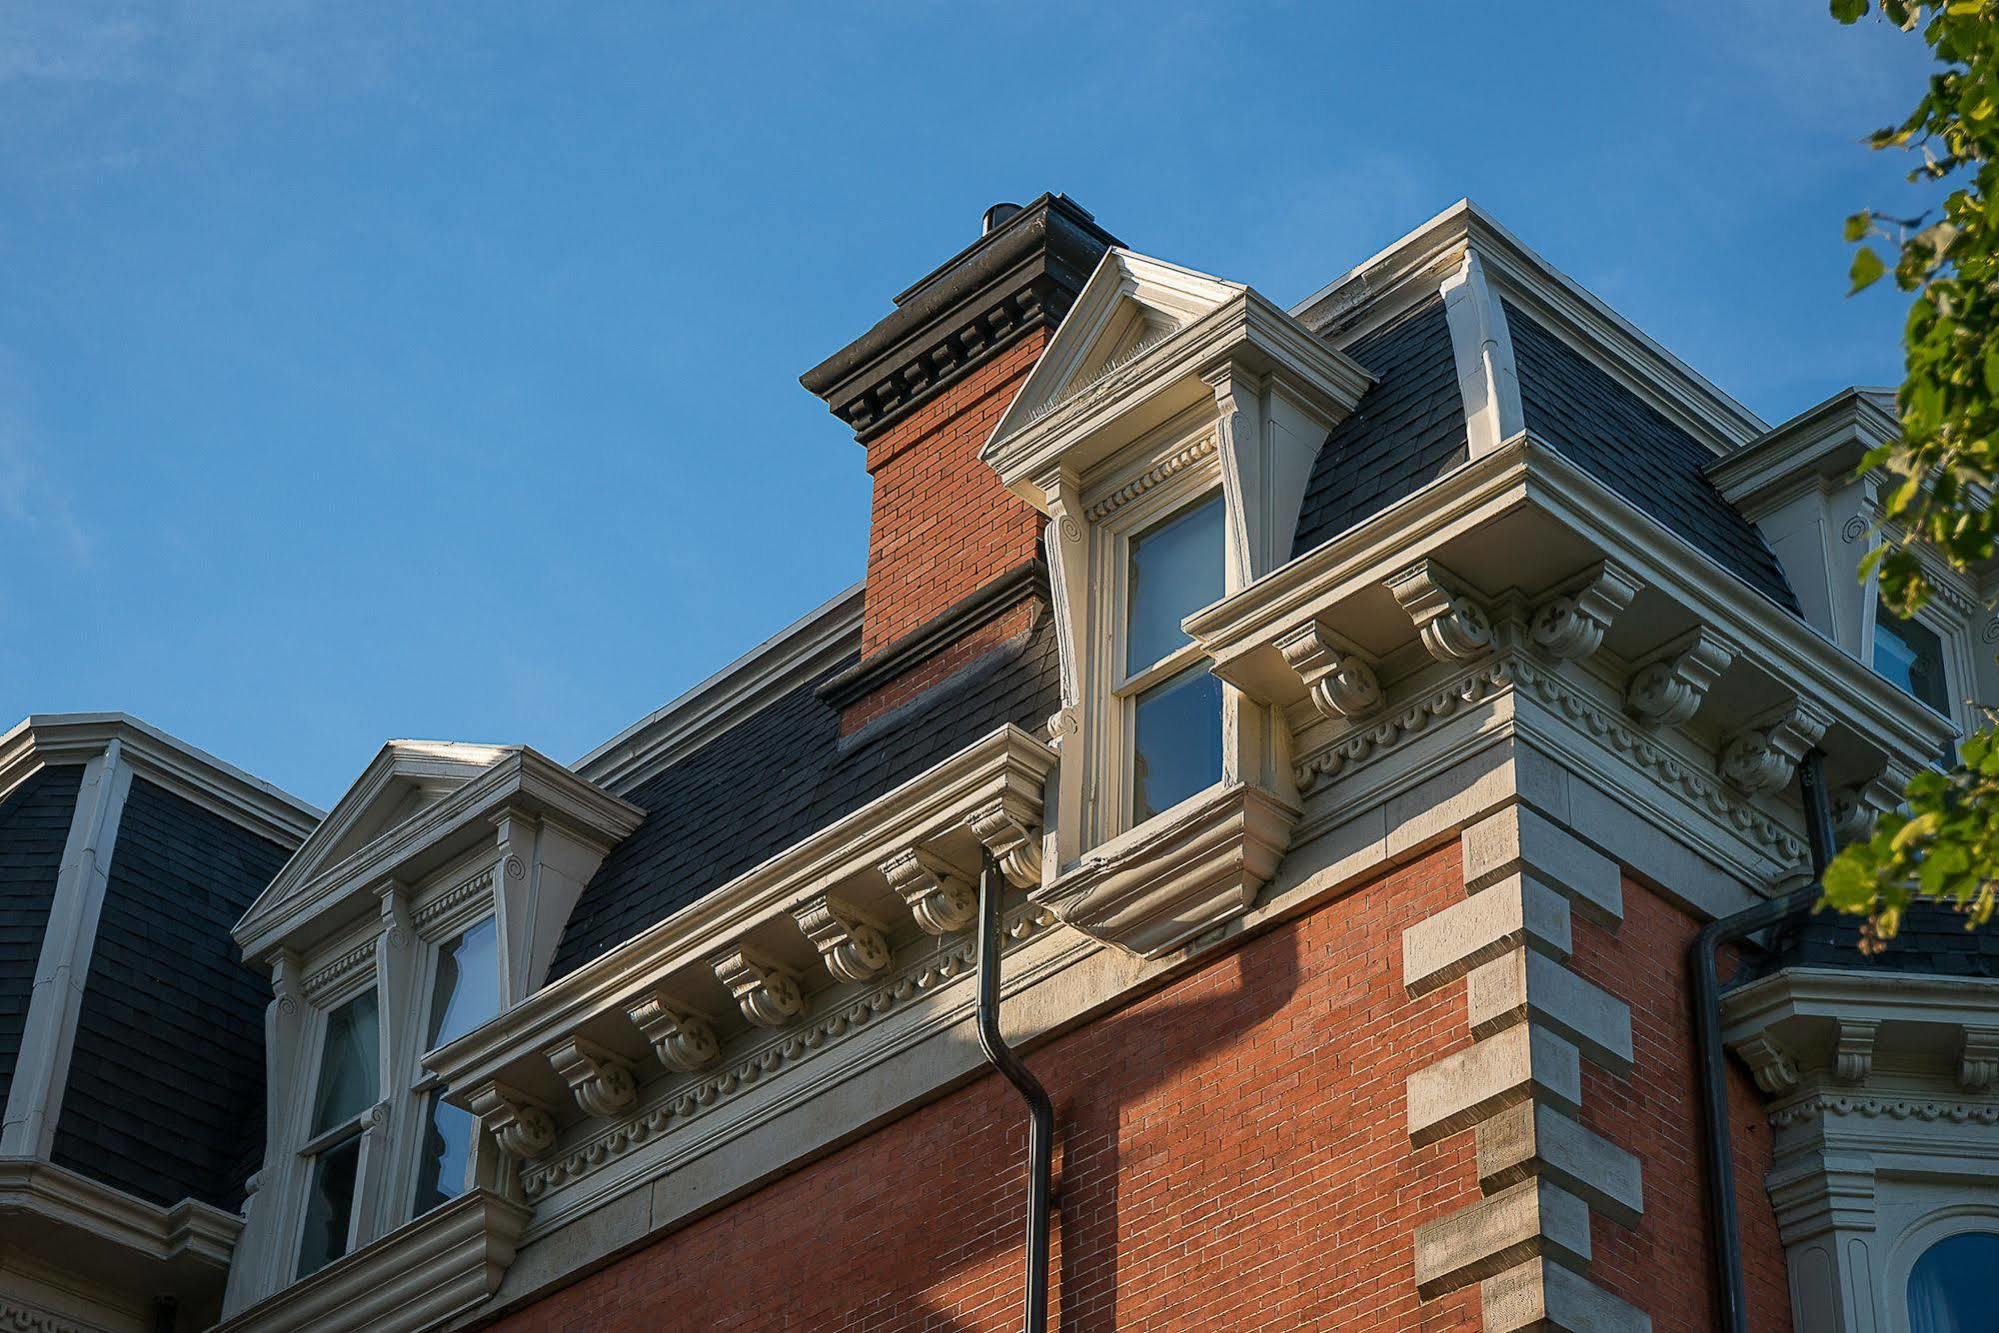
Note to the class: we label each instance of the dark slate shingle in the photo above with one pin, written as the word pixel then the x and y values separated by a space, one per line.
pixel 1932 941
pixel 784 773
pixel 169 1008
pixel 1408 430
pixel 34 825
pixel 1623 442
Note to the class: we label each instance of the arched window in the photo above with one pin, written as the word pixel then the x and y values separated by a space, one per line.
pixel 1952 1287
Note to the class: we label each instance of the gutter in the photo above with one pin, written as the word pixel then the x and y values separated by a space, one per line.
pixel 1726 1225
pixel 1040 1111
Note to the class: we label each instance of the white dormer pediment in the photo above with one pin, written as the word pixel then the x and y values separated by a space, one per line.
pixel 1130 303
pixel 425 809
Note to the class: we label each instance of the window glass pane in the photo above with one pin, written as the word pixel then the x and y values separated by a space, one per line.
pixel 329 1206
pixel 467 990
pixel 1176 569
pixel 447 1147
pixel 1950 1288
pixel 1910 654
pixel 347 1063
pixel 1179 741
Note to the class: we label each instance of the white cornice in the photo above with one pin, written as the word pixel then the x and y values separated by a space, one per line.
pixel 1416 266
pixel 800 653
pixel 1007 765
pixel 515 777
pixel 1525 475
pixel 36 1192
pixel 44 739
pixel 1823 442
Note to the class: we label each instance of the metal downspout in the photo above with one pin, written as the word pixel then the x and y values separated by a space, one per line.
pixel 1727 1228
pixel 1040 1111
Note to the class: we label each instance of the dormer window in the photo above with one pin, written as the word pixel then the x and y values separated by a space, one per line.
pixel 464 992
pixel 343 1098
pixel 1911 655
pixel 1172 567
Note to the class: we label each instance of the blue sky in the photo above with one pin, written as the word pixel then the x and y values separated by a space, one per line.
pixel 375 370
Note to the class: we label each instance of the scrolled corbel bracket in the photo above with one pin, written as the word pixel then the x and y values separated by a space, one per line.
pixel 1762 756
pixel 1668 686
pixel 600 1080
pixel 1340 681
pixel 1453 626
pixel 1978 1058
pixel 1771 1062
pixel 1853 1051
pixel 1572 623
pixel 1013 841
pixel 682 1037
pixel 766 990
pixel 849 941
pixel 937 896
pixel 1856 809
pixel 521 1126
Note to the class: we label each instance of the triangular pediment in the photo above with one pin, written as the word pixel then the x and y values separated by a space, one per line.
pixel 1131 304
pixel 403 780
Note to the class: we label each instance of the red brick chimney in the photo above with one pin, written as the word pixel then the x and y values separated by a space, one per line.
pixel 954 559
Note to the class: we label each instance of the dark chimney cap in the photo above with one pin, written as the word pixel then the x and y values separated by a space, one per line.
pixel 996 215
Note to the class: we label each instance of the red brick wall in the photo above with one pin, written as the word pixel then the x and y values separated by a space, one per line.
pixel 942 525
pixel 1665 1267
pixel 1232 1153
pixel 968 649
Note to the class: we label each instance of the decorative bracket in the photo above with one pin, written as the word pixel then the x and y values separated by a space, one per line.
pixel 1854 1051
pixel 682 1038
pixel 1572 623
pixel 849 941
pixel 938 897
pixel 1667 689
pixel 1776 1070
pixel 1012 842
pixel 1978 1062
pixel 521 1126
pixel 765 990
pixel 1762 757
pixel 1341 682
pixel 1452 626
pixel 1855 809
pixel 601 1081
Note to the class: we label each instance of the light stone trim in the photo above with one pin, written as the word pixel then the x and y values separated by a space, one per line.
pixel 1544 1296
pixel 1338 679
pixel 849 941
pixel 1516 840
pixel 1535 1140
pixel 682 1037
pixel 1519 1064
pixel 1451 624
pixel 1668 688
pixel 1525 986
pixel 1853 1048
pixel 1164 470
pixel 520 1125
pixel 1534 1219
pixel 1518 911
pixel 600 1080
pixel 1770 1062
pixel 766 990
pixel 456 896
pixel 1978 1058
pixel 17 1316
pixel 940 899
pixel 1572 624
pixel 330 977
pixel 1762 756
pixel 1009 834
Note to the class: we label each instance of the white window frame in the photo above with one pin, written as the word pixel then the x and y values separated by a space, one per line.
pixel 1915 1239
pixel 1960 671
pixel 1114 726
pixel 418 1083
pixel 308 1146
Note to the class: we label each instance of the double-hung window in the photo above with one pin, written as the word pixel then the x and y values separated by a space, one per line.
pixel 1911 655
pixel 464 992
pixel 344 1094
pixel 1172 704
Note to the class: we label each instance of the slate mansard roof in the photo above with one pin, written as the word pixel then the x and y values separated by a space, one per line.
pixel 34 825
pixel 1410 429
pixel 785 772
